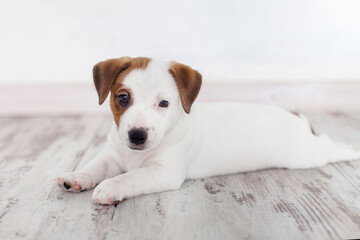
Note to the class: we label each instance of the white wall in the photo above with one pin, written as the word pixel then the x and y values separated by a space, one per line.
pixel 280 40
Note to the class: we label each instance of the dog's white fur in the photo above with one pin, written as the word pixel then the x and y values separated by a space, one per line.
pixel 214 139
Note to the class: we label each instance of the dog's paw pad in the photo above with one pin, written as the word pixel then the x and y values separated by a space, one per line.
pixel 75 182
pixel 66 185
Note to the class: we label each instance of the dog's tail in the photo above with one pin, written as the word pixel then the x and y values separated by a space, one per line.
pixel 320 149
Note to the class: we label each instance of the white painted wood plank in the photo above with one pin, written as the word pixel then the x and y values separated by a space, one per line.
pixel 32 201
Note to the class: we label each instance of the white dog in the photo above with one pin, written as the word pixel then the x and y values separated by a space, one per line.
pixel 160 138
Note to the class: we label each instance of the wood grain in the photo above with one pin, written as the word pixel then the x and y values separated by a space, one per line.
pixel 321 203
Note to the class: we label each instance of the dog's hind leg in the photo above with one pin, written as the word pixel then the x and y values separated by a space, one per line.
pixel 320 150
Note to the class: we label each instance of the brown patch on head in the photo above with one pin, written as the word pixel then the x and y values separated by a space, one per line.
pixel 188 82
pixel 109 75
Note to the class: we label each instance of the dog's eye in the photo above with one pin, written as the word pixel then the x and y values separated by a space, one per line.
pixel 163 104
pixel 124 99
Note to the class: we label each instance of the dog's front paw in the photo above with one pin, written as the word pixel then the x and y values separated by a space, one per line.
pixel 107 192
pixel 75 182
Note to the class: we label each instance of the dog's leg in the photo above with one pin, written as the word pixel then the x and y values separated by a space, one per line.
pixel 150 179
pixel 100 168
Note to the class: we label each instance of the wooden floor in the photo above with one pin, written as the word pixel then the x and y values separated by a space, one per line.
pixel 322 203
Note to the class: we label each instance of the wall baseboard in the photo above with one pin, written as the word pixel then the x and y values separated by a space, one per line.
pixel 37 100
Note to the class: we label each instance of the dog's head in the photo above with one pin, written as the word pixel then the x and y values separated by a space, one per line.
pixel 146 96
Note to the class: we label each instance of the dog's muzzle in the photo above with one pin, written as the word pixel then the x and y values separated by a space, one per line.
pixel 137 136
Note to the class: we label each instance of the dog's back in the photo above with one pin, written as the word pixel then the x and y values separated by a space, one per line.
pixel 244 137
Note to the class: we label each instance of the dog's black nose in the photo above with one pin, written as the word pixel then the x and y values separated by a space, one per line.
pixel 137 136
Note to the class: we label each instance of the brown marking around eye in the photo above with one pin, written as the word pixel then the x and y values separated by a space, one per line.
pixel 116 108
pixel 119 88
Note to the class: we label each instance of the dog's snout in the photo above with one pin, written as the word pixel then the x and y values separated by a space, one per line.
pixel 137 136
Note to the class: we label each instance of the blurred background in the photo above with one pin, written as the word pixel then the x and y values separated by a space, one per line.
pixel 265 51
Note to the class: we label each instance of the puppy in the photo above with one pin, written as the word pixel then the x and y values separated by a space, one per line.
pixel 161 137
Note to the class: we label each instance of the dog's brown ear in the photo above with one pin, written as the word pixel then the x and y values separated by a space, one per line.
pixel 105 74
pixel 188 81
